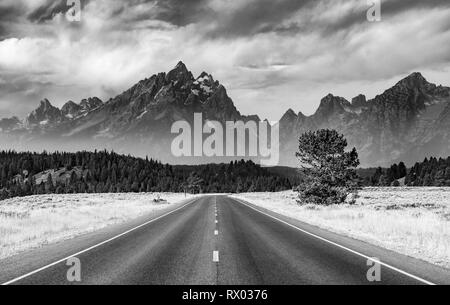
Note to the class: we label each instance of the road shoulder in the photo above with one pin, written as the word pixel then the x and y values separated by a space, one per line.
pixel 422 269
pixel 28 261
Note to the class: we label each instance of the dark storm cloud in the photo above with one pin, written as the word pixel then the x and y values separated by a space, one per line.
pixel 265 16
pixel 130 13
pixel 395 6
pixel 3 31
pixel 182 12
pixel 175 12
pixel 257 16
pixel 254 17
pixel 50 9
pixel 8 14
pixel 388 9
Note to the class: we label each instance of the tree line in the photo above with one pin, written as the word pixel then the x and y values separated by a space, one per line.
pixel 430 172
pixel 107 172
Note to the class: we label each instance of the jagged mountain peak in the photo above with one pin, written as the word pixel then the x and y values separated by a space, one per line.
pixel 332 99
pixel 181 65
pixel 206 83
pixel 45 103
pixel 179 73
pixel 359 101
pixel 45 106
pixel 91 103
pixel 414 80
pixel 70 109
pixel 417 76
pixel 291 112
pixel 45 114
pixel 70 103
pixel 289 116
pixel 204 74
pixel 162 97
pixel 331 104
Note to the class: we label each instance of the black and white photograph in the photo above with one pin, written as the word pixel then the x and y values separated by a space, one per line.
pixel 224 151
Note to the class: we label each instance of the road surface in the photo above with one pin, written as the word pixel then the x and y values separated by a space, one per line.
pixel 216 240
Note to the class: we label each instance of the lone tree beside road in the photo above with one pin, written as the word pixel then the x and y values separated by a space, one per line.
pixel 329 171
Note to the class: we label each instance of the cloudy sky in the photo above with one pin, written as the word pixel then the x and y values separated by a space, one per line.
pixel 270 54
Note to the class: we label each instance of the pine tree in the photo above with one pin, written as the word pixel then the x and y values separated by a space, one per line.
pixel 330 171
pixel 49 187
pixel 402 171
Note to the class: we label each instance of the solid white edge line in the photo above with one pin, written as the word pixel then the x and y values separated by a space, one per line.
pixel 96 246
pixel 338 245
pixel 215 256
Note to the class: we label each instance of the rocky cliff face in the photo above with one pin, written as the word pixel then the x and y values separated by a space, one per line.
pixel 152 105
pixel 90 104
pixel 406 123
pixel 71 110
pixel 44 115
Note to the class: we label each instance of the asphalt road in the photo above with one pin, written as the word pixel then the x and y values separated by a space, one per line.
pixel 216 240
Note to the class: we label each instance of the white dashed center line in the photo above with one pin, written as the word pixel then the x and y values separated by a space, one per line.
pixel 216 256
pixel 216 233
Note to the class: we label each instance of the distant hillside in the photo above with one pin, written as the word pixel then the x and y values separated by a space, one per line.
pixel 23 174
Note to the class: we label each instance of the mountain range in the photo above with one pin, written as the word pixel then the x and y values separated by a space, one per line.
pixel 408 122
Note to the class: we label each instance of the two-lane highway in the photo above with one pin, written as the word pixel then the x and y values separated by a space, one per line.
pixel 219 240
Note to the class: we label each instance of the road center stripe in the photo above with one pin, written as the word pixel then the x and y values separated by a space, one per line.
pixel 216 256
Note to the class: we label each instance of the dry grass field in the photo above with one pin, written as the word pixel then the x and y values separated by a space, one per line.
pixel 30 222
